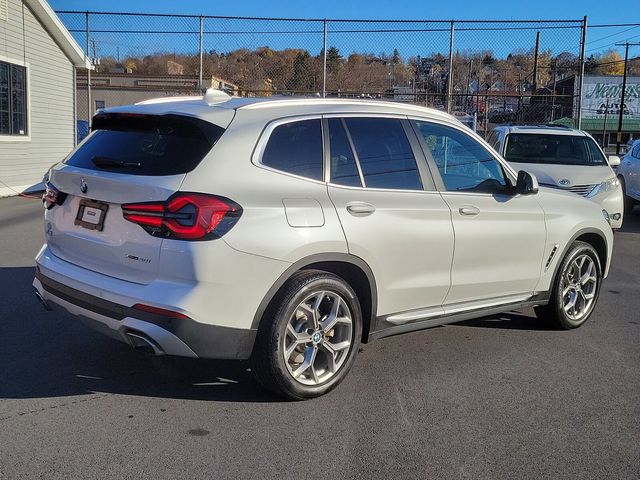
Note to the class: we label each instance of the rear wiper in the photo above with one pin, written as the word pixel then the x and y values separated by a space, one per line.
pixel 107 162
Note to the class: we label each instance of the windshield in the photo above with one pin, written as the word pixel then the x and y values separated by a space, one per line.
pixel 552 149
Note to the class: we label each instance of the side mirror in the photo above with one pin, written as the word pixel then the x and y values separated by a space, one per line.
pixel 614 160
pixel 527 183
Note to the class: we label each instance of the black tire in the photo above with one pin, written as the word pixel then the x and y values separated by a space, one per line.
pixel 267 361
pixel 554 312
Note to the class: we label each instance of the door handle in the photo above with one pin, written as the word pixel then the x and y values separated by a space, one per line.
pixel 469 210
pixel 360 209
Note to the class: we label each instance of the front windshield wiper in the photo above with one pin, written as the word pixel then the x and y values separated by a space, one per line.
pixel 106 162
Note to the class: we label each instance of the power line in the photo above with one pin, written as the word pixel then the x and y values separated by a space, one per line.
pixel 613 34
pixel 609 25
pixel 609 44
pixel 612 62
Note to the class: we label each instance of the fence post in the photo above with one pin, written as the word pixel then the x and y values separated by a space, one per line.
pixel 450 75
pixel 88 70
pixel 200 70
pixel 324 58
pixel 536 51
pixel 583 43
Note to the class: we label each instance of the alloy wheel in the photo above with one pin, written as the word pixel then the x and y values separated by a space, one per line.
pixel 318 338
pixel 579 285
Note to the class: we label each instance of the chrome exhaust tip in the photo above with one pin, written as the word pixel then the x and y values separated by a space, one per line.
pixel 140 341
pixel 42 301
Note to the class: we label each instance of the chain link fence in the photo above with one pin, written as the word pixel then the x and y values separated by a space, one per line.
pixel 486 72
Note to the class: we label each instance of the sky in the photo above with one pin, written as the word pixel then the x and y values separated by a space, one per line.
pixel 598 39
pixel 614 11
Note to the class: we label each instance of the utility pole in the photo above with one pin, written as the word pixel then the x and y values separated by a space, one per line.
pixel 519 114
pixel 624 87
pixel 604 124
pixel 504 92
pixel 535 62
pixel 583 43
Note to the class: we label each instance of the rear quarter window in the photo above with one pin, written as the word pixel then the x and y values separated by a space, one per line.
pixel 296 148
pixel 155 145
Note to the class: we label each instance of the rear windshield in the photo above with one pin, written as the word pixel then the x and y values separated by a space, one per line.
pixel 145 144
pixel 552 149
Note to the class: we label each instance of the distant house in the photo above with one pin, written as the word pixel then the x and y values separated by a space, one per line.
pixel 38 61
pixel 121 88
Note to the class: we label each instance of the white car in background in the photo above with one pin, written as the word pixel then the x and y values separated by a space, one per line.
pixel 563 158
pixel 629 176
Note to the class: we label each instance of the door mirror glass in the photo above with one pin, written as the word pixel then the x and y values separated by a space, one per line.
pixel 614 160
pixel 527 183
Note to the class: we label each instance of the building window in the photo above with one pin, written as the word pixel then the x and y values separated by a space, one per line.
pixel 99 104
pixel 13 99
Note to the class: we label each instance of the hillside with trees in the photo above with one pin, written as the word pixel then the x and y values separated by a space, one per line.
pixel 298 71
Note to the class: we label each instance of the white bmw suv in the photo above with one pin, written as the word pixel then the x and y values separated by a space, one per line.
pixel 291 231
pixel 563 158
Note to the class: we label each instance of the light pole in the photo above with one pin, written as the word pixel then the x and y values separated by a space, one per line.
pixel 624 87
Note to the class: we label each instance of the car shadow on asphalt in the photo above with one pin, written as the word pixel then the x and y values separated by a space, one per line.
pixel 631 221
pixel 51 354
pixel 508 321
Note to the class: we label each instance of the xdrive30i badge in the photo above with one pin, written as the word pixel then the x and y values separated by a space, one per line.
pixel 138 259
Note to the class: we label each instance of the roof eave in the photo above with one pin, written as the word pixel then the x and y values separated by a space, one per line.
pixel 52 23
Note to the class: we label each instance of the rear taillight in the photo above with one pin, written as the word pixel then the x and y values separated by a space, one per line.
pixel 52 196
pixel 185 216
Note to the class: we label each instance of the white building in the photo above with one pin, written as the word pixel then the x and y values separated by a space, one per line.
pixel 38 61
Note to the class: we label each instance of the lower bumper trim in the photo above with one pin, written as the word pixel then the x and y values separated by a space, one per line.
pixel 205 340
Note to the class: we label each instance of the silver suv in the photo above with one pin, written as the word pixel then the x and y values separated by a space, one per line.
pixel 291 231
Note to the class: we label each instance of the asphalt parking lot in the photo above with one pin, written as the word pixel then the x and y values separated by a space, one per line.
pixel 499 397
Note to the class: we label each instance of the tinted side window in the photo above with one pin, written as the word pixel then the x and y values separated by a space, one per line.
pixel 343 163
pixel 384 153
pixel 636 151
pixel 463 163
pixel 296 148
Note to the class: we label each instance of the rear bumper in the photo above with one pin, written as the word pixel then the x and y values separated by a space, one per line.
pixel 219 316
pixel 167 335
